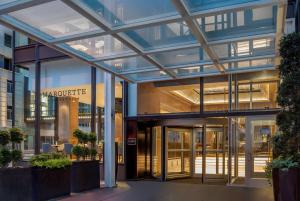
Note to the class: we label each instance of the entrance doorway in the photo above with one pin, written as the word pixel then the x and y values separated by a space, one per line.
pixel 251 149
pixel 199 152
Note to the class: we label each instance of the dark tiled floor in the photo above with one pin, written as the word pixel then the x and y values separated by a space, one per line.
pixel 173 191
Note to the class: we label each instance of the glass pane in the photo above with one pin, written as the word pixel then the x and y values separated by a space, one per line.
pixel 180 57
pixel 148 75
pixel 156 151
pixel 25 105
pixel 127 64
pixel 120 12
pixel 196 5
pixel 99 46
pixel 262 131
pixel 256 63
pixel 160 36
pixel 170 97
pixel 215 95
pixel 239 23
pixel 54 18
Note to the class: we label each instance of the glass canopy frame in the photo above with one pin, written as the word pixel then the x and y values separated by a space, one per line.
pixel 143 41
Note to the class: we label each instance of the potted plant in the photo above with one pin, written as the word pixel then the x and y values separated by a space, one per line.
pixel 15 181
pixel 85 170
pixel 50 176
pixel 285 167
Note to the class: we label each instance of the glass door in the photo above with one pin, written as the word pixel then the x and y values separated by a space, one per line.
pixel 198 151
pixel 259 131
pixel 178 152
pixel 156 151
pixel 215 154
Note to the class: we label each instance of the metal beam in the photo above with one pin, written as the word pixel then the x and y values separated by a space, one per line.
pixel 197 32
pixel 19 5
pixel 90 14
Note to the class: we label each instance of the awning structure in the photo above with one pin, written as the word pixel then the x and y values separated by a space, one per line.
pixel 148 40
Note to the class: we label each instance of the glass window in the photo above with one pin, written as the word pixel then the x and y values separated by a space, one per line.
pixel 215 94
pixel 239 23
pixel 196 5
pixel 9 86
pixel 24 105
pixel 7 40
pixel 65 100
pixel 169 97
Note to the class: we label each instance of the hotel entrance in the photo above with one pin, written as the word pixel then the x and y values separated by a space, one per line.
pixel 210 150
pixel 197 152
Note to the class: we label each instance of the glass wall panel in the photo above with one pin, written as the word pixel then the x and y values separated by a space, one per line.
pixel 169 97
pixel 24 110
pixel 257 94
pixel 216 94
pixel 66 101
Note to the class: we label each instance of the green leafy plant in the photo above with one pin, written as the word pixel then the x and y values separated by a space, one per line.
pixel 286 144
pixel 16 156
pixel 4 137
pixel 50 161
pixel 78 134
pixel 16 136
pixel 86 152
pixel 92 139
pixel 77 150
pixel 93 153
pixel 5 157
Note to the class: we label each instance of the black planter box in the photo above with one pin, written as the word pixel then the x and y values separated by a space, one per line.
pixel 33 184
pixel 286 184
pixel 50 183
pixel 16 184
pixel 85 175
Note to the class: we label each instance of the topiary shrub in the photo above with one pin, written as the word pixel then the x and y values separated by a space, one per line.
pixel 16 156
pixel 4 137
pixel 5 157
pixel 93 153
pixel 77 150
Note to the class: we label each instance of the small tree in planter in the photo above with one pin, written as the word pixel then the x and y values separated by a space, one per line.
pixel 285 168
pixel 85 173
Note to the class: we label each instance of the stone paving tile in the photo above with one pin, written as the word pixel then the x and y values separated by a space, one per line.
pixel 173 191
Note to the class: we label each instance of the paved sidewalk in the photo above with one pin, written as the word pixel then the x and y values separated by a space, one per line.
pixel 173 191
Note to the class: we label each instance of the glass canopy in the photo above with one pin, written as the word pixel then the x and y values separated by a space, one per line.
pixel 142 40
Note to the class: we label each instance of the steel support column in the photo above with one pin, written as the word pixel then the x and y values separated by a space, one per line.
pixel 37 101
pixel 93 99
pixel 13 118
pixel 109 130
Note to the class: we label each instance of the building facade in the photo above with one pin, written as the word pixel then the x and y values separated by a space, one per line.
pixel 194 98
